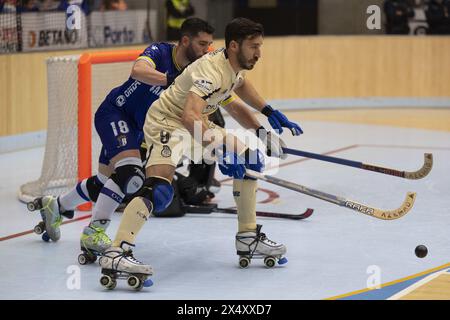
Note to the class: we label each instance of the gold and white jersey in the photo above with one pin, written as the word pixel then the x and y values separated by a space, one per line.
pixel 211 77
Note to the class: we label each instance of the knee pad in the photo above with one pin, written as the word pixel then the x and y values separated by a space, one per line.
pixel 130 178
pixel 94 185
pixel 159 191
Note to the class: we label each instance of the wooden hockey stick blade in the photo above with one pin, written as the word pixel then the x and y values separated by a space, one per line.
pixel 299 216
pixel 340 201
pixel 384 214
pixel 413 175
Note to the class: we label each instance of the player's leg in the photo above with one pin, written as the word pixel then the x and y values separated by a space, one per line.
pixel 88 189
pixel 54 209
pixel 250 242
pixel 120 140
pixel 154 197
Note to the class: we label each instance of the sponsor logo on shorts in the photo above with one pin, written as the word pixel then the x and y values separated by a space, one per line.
pixel 120 101
pixel 122 140
pixel 166 152
pixel 164 136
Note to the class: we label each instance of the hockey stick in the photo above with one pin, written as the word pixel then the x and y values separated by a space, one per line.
pixel 213 208
pixel 414 175
pixel 370 211
pixel 299 216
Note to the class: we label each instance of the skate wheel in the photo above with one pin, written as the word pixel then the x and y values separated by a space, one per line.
pixel 244 262
pixel 34 205
pixel 45 237
pixel 135 283
pixel 82 259
pixel 269 262
pixel 39 228
pixel 282 261
pixel 148 283
pixel 108 282
pixel 31 206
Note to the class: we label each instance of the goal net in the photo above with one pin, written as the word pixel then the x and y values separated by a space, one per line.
pixel 77 85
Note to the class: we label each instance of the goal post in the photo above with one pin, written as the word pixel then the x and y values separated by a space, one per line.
pixel 76 87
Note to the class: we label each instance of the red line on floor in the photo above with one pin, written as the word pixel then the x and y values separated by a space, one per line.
pixel 16 235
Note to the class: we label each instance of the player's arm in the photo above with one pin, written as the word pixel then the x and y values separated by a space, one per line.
pixel 249 95
pixel 192 119
pixel 276 118
pixel 192 114
pixel 247 119
pixel 242 114
pixel 145 72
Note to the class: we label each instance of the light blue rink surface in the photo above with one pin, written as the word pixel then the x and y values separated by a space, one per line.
pixel 194 256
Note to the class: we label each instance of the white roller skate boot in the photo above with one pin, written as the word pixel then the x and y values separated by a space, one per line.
pixel 255 244
pixel 51 217
pixel 119 263
pixel 94 241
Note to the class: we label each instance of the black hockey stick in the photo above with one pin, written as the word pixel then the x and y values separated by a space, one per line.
pixel 297 216
pixel 213 208
pixel 413 175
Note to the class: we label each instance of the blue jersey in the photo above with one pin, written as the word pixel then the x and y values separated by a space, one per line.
pixel 134 97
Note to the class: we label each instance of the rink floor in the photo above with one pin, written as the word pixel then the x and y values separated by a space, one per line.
pixel 334 252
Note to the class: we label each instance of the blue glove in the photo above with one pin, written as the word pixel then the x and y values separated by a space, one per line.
pixel 278 120
pixel 230 164
pixel 233 165
pixel 254 160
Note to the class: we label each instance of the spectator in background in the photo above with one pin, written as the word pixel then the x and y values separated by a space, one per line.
pixel 51 5
pixel 438 16
pixel 177 12
pixel 28 6
pixel 117 5
pixel 8 6
pixel 398 13
pixel 62 5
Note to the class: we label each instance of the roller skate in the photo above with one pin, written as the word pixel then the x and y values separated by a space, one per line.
pixel 51 217
pixel 119 263
pixel 94 241
pixel 255 245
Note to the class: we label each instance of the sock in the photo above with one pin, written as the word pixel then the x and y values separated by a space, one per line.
pixel 135 215
pixel 109 199
pixel 244 192
pixel 78 195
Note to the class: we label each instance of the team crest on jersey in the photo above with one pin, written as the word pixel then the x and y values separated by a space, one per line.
pixel 164 136
pixel 166 152
pixel 122 140
pixel 120 101
pixel 204 85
